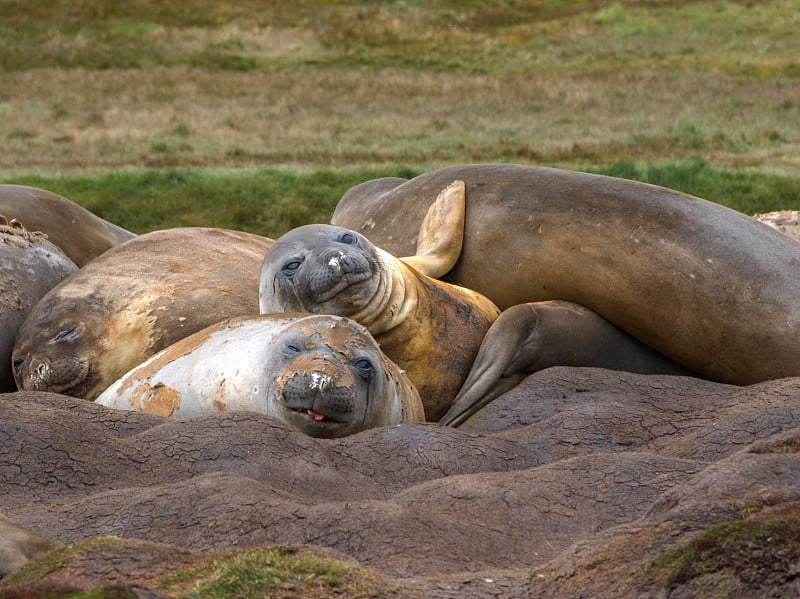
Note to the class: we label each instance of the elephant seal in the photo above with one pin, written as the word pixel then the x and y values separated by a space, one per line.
pixel 79 233
pixel 133 301
pixel 29 267
pixel 530 337
pixel 18 546
pixel 325 375
pixel 432 330
pixel 785 221
pixel 708 287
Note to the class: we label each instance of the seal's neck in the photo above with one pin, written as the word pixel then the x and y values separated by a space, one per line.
pixel 395 298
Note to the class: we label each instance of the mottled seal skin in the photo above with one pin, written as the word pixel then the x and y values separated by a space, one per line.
pixel 530 337
pixel 325 375
pixel 18 546
pixel 432 330
pixel 133 301
pixel 708 287
pixel 79 233
pixel 29 267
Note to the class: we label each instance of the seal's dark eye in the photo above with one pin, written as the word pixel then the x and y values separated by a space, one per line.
pixel 291 267
pixel 349 239
pixel 67 334
pixel 364 368
pixel 292 348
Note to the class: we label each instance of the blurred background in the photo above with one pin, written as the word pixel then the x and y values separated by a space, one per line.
pixel 258 115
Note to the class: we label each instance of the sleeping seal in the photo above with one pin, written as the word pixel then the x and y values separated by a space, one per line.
pixel 706 286
pixel 133 301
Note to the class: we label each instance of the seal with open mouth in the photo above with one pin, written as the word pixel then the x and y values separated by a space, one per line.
pixel 431 329
pixel 323 374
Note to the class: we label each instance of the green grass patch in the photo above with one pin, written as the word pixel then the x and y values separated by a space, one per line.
pixel 279 571
pixel 52 561
pixel 497 37
pixel 753 551
pixel 271 201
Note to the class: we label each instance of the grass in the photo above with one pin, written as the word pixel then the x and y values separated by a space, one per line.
pixel 278 572
pixel 754 551
pixel 271 201
pixel 93 86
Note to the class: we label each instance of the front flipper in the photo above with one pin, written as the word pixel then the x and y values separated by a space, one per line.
pixel 531 337
pixel 441 233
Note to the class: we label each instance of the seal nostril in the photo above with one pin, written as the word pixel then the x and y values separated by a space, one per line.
pixel 18 362
pixel 41 369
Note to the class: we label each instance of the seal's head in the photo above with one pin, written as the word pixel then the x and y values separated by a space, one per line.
pixel 54 356
pixel 322 269
pixel 72 343
pixel 330 379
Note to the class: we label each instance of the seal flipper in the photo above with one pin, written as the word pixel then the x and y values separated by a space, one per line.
pixel 530 337
pixel 441 233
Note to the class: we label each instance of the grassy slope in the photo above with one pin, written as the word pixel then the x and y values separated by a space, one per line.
pixel 315 96
pixel 271 201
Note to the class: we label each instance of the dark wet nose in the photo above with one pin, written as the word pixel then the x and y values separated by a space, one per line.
pixel 19 361
pixel 307 389
pixel 342 261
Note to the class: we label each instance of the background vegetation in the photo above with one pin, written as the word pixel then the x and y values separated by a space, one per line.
pixel 257 115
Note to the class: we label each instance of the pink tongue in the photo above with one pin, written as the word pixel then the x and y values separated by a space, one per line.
pixel 316 415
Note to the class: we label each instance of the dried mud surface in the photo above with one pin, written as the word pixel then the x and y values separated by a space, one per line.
pixel 566 486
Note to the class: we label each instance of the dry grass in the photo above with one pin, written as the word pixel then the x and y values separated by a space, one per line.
pixel 94 86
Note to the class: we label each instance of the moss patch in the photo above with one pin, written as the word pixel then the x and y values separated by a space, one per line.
pixel 760 551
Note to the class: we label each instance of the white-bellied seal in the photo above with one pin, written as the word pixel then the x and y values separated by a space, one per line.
pixel 29 267
pixel 530 337
pixel 708 287
pixel 432 330
pixel 18 546
pixel 133 301
pixel 80 234
pixel 323 374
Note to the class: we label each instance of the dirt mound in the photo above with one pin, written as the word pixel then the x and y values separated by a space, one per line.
pixel 572 483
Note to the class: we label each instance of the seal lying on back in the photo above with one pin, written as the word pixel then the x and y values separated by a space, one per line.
pixel 706 286
pixel 29 267
pixel 79 233
pixel 432 330
pixel 19 545
pixel 325 375
pixel 133 301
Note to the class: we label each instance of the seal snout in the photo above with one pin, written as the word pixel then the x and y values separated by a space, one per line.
pixel 40 373
pixel 316 386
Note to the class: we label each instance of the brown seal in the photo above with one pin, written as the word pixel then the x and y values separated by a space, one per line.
pixel 79 233
pixel 29 267
pixel 133 301
pixel 530 337
pixel 708 287
pixel 430 329
pixel 323 374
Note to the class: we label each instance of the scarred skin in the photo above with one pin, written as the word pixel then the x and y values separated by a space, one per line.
pixel 133 301
pixel 323 374
pixel 79 233
pixel 432 330
pixel 708 287
pixel 29 267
